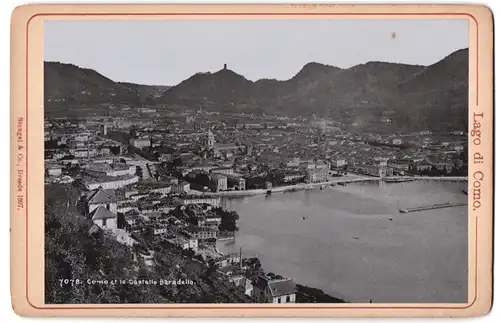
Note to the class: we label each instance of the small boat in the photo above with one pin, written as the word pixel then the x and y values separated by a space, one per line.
pixel 465 191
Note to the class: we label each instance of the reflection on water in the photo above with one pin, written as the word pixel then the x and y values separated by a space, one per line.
pixel 352 242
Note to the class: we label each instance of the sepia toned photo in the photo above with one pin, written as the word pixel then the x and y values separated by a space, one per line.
pixel 256 161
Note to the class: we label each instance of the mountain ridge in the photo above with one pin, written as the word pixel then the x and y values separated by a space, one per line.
pixel 411 95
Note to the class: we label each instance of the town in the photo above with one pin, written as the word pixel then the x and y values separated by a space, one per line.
pixel 147 177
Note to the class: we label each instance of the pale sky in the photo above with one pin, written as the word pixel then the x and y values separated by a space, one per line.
pixel 166 52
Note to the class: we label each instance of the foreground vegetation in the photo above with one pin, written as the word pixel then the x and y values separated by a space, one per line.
pixel 75 249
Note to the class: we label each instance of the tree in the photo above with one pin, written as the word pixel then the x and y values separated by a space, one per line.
pixel 455 171
pixel 138 171
pixel 228 220
pixel 115 150
pixel 80 184
pixel 177 162
pixel 254 268
pixel 425 172
pixel 434 172
pixel 73 252
pixel 276 177
pixel 76 248
pixel 211 269
pixel 149 235
pixel 202 179
pixel 120 220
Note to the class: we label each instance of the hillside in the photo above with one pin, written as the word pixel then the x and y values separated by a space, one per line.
pixel 413 97
pixel 74 248
pixel 224 88
pixel 440 92
pixel 72 84
pixel 346 92
pixel 146 92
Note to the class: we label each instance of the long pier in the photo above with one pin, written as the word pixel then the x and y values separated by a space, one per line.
pixel 431 207
pixel 432 178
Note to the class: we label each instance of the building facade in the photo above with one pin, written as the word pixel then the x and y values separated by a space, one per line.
pixel 317 175
pixel 104 218
pixel 276 291
pixel 140 142
pixel 236 182
pixel 212 200
pixel 103 198
pixel 339 162
pixel 112 184
pixel 218 182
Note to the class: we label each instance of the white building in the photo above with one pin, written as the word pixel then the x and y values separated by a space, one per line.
pixel 277 291
pixel 339 162
pixel 218 182
pixel 160 230
pixel 104 218
pixel 83 152
pixel 212 200
pixel 162 190
pixel 103 197
pixel 112 183
pixel 81 137
pixel 236 182
pixel 113 170
pixel 397 141
pixel 54 170
pixel 224 171
pixel 186 243
pixel 317 175
pixel 208 140
pixel 140 142
pixel 146 110
pixel 182 187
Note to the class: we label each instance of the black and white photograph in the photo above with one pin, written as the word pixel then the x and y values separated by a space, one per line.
pixel 304 160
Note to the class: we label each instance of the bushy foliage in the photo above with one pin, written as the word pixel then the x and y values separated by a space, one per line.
pixel 77 249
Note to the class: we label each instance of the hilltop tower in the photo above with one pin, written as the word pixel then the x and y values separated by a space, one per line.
pixel 225 66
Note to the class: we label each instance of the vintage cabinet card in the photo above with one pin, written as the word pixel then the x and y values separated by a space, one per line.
pixel 252 160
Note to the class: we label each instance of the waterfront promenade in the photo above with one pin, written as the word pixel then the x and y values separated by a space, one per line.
pixel 348 179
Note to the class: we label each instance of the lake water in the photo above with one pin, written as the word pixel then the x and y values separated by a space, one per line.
pixel 342 240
